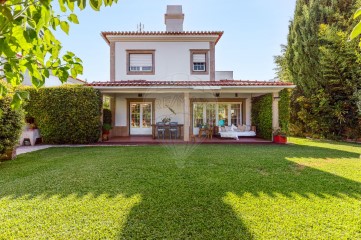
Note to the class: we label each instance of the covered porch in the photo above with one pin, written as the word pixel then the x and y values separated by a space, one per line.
pixel 137 106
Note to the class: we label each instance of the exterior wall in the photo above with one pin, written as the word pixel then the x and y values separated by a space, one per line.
pixel 175 102
pixel 224 75
pixel 172 60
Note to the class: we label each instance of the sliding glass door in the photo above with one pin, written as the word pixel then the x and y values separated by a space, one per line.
pixel 216 114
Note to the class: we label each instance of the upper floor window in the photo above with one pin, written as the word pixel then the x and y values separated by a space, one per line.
pixel 140 62
pixel 199 62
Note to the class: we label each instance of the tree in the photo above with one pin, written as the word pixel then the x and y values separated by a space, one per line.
pixel 324 66
pixel 27 42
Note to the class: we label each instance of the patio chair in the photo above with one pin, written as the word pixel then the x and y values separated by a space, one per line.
pixel 161 129
pixel 173 129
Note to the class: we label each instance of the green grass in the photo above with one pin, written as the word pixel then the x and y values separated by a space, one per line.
pixel 307 190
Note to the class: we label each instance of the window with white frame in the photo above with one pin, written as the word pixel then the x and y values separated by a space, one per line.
pixel 140 62
pixel 199 63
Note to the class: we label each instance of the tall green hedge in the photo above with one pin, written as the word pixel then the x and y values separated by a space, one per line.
pixel 66 114
pixel 284 109
pixel 262 113
pixel 11 123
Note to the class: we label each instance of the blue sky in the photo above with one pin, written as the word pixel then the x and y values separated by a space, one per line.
pixel 253 32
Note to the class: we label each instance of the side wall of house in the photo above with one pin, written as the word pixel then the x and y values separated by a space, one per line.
pixel 172 60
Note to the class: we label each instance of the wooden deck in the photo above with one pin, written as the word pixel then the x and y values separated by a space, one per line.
pixel 148 140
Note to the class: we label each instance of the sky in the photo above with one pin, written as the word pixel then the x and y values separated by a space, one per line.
pixel 253 32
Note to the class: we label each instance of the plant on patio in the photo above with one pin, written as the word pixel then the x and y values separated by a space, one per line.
pixel 11 123
pixel 107 124
pixel 279 136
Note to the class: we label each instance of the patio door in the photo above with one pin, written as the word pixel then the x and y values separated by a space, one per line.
pixel 140 118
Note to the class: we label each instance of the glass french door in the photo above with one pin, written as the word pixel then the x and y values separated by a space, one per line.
pixel 140 118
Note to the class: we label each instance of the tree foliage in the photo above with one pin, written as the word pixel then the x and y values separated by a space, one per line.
pixel 325 66
pixel 28 44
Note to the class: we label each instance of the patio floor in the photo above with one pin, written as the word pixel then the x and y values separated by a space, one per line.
pixel 215 140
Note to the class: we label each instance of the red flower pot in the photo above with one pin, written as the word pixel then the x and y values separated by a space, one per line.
pixel 280 139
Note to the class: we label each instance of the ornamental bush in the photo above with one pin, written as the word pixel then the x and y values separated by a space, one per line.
pixel 66 115
pixel 284 109
pixel 11 123
pixel 262 113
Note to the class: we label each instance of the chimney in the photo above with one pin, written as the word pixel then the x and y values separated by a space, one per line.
pixel 174 18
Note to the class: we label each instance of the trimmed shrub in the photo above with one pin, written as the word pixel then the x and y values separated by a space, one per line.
pixel 11 123
pixel 262 115
pixel 66 115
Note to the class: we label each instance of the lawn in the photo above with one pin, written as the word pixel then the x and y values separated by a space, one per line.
pixel 307 190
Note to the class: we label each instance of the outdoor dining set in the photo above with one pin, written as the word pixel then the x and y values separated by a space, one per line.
pixel 172 129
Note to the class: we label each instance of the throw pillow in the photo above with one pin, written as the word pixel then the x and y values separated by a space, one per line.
pixel 242 128
pixel 248 128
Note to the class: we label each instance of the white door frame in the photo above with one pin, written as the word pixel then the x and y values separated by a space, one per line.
pixel 141 130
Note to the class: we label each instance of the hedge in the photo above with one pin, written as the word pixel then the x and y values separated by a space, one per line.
pixel 66 115
pixel 11 123
pixel 262 113
pixel 284 109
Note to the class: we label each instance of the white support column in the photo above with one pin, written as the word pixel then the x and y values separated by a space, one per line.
pixel 187 117
pixel 275 114
pixel 248 111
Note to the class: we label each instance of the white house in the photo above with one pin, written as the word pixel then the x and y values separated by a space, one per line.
pixel 172 73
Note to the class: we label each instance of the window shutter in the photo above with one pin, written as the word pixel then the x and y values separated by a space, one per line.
pixel 140 60
pixel 199 58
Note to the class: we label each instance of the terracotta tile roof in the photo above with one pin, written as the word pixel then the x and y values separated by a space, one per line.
pixel 221 83
pixel 163 33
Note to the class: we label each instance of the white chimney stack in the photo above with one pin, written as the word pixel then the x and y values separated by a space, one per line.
pixel 174 18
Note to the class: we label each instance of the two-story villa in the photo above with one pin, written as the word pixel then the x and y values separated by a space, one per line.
pixel 172 74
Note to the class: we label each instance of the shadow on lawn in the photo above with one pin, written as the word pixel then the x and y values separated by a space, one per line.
pixel 186 202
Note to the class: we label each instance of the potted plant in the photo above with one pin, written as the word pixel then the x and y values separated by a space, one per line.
pixel 279 136
pixel 106 128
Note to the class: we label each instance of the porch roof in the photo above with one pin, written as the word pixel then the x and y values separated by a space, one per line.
pixel 221 83
pixel 223 86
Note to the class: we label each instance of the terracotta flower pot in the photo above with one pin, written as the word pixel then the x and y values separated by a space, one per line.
pixel 280 139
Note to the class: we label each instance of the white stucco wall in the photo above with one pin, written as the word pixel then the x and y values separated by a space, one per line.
pixel 174 101
pixel 172 60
